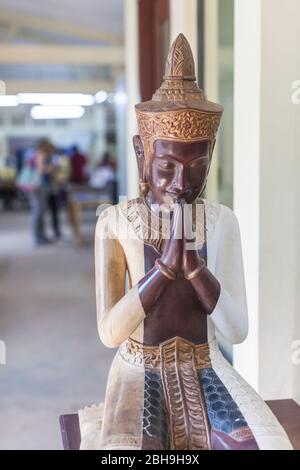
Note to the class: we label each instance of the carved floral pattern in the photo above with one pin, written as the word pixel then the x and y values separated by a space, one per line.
pixel 187 124
pixel 150 356
pixel 189 427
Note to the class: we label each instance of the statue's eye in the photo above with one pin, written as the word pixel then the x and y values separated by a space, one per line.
pixel 197 163
pixel 166 165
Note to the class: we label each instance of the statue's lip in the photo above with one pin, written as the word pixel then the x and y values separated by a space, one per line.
pixel 181 195
pixel 173 194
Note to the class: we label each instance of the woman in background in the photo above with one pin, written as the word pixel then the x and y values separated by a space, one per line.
pixel 45 195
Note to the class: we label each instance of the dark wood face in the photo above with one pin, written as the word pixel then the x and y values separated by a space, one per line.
pixel 177 170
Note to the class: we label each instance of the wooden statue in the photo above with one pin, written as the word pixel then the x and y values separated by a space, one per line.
pixel 169 274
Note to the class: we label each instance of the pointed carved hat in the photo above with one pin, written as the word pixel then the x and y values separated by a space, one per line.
pixel 179 109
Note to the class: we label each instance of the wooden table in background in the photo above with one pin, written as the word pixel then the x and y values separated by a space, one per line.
pixel 286 411
pixel 8 191
pixel 79 200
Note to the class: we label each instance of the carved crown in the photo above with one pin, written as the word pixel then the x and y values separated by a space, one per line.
pixel 179 109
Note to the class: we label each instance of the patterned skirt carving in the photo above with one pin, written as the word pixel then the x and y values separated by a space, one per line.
pixel 186 406
pixel 182 396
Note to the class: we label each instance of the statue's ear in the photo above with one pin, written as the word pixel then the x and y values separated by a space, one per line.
pixel 211 151
pixel 211 148
pixel 140 157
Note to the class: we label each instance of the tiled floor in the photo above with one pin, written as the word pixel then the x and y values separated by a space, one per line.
pixel 55 362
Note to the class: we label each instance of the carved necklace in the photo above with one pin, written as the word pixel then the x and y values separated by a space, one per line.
pixel 153 229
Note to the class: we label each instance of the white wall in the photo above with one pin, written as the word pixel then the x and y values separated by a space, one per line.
pixel 280 190
pixel 266 189
pixel 246 168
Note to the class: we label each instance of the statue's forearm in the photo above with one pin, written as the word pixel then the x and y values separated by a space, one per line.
pixel 208 289
pixel 150 288
pixel 206 286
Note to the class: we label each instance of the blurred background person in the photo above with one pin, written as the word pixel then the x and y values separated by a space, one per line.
pixel 103 175
pixel 43 192
pixel 62 175
pixel 38 197
pixel 78 166
pixel 53 184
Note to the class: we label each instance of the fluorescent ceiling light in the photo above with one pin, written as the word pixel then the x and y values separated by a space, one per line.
pixel 101 96
pixel 9 100
pixel 61 99
pixel 120 97
pixel 57 112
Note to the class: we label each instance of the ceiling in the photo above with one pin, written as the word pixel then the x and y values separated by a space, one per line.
pixel 105 15
pixel 57 34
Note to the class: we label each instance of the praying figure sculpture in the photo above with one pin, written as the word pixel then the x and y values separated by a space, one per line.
pixel 169 274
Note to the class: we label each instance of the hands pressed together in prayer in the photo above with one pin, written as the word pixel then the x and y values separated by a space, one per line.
pixel 180 260
pixel 180 257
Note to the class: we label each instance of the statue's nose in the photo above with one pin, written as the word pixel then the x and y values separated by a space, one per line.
pixel 180 183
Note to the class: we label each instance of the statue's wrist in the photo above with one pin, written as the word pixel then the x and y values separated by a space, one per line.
pixel 194 273
pixel 165 270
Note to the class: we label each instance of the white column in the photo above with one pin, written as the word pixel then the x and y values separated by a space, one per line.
pixel 211 81
pixel 266 189
pixel 247 59
pixel 132 89
pixel 183 19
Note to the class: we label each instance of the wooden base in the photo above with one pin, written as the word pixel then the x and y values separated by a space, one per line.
pixel 286 411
